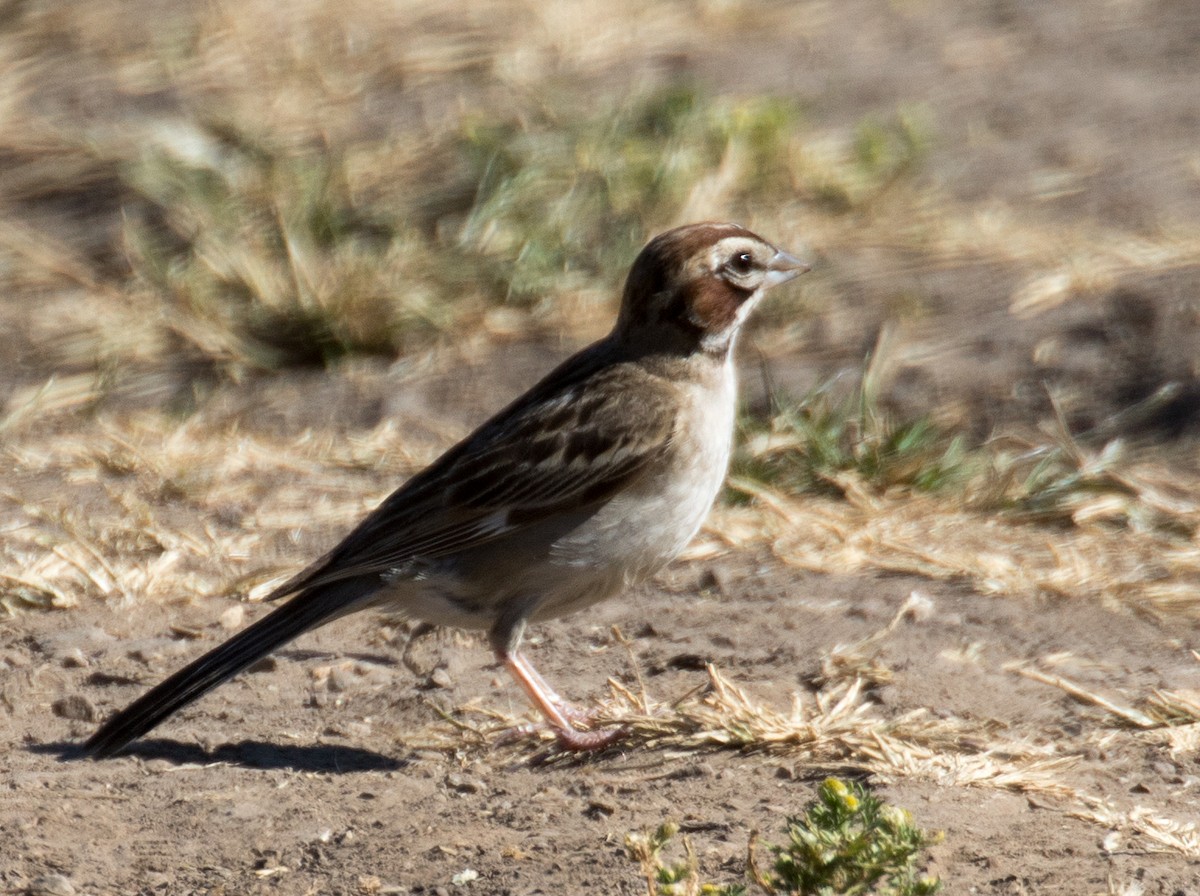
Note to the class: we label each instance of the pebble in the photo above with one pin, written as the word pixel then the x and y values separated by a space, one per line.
pixel 51 885
pixel 462 783
pixel 73 658
pixel 711 581
pixel 13 660
pixel 232 618
pixel 355 730
pixel 342 679
pixel 76 707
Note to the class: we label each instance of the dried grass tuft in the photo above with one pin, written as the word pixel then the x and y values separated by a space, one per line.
pixel 1176 710
pixel 1150 570
pixel 1157 832
pixel 838 727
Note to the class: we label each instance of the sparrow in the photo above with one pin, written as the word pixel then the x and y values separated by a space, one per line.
pixel 588 483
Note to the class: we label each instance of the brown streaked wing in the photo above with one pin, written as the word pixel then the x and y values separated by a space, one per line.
pixel 513 472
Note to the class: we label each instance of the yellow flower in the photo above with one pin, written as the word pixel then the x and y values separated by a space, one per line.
pixel 836 786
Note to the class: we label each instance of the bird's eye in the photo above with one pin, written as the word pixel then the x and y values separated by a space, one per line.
pixel 740 264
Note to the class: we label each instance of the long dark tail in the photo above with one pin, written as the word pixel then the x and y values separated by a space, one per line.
pixel 305 611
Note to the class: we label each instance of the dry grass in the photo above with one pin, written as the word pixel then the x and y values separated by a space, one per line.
pixel 180 508
pixel 838 728
pixel 261 488
pixel 1151 571
pixel 841 727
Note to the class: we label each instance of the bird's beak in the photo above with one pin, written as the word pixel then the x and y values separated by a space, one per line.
pixel 783 267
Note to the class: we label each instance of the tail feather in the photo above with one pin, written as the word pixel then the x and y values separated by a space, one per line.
pixel 306 611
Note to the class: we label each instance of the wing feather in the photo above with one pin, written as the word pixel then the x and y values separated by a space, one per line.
pixel 575 440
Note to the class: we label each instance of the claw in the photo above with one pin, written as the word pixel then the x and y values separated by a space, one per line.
pixel 561 717
pixel 575 741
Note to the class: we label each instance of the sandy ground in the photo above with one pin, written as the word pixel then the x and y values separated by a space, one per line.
pixel 332 769
pixel 297 778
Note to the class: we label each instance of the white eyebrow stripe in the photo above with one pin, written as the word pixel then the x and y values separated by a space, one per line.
pixel 724 248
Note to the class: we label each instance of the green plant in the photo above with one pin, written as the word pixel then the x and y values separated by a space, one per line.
pixel 847 843
pixel 832 439
pixel 843 442
pixel 271 253
pixel 847 176
pixel 681 878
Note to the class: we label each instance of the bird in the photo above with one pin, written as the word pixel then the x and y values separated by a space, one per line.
pixel 588 483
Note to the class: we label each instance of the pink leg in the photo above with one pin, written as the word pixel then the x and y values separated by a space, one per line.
pixel 557 711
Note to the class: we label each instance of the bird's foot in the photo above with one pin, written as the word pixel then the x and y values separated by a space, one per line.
pixel 578 718
pixel 590 739
pixel 570 738
pixel 561 717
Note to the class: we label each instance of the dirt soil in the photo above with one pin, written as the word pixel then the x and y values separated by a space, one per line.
pixel 296 779
pixel 330 769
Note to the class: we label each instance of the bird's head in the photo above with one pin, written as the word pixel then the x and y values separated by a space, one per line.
pixel 691 289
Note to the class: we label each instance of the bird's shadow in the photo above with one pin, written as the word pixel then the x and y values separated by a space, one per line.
pixel 246 753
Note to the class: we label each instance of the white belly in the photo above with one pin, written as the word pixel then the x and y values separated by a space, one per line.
pixel 643 529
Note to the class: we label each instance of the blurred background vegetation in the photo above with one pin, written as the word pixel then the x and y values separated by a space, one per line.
pixel 199 195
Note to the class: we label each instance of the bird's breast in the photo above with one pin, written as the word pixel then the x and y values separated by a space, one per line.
pixel 649 523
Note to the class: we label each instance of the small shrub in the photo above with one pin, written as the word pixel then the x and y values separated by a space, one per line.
pixel 847 843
